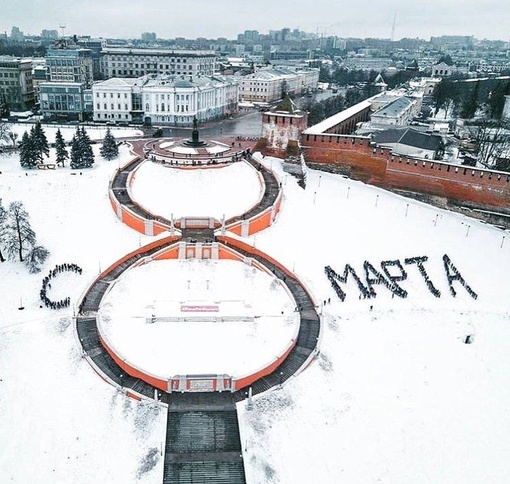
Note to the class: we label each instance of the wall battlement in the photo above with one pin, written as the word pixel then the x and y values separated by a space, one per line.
pixel 376 165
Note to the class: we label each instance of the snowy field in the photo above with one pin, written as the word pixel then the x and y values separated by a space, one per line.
pixel 396 396
pixel 204 192
pixel 167 348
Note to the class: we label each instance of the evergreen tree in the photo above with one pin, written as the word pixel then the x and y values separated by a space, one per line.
pixel 35 258
pixel 86 147
pixel 82 155
pixel 39 141
pixel 60 148
pixel 497 99
pixel 27 153
pixel 470 104
pixel 109 150
pixel 445 96
pixel 5 111
pixel 75 153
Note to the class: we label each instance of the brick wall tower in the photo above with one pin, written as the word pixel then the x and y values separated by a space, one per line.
pixel 282 127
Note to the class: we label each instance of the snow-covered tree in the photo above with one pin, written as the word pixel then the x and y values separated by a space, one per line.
pixel 20 237
pixel 5 111
pixel 27 154
pixel 35 258
pixel 4 131
pixel 13 137
pixel 3 229
pixel 20 240
pixel 88 153
pixel 82 155
pixel 60 148
pixel 109 150
pixel 39 141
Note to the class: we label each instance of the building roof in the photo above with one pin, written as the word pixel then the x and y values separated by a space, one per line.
pixel 408 137
pixel 332 121
pixel 120 82
pixel 379 81
pixel 177 53
pixel 286 105
pixel 394 108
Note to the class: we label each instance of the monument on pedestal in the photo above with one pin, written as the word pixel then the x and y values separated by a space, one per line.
pixel 195 137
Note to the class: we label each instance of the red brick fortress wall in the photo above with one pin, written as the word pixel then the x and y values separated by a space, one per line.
pixel 378 166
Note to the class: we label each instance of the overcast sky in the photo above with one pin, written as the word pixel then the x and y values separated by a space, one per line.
pixel 226 18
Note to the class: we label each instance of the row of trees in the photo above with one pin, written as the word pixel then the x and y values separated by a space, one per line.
pixel 465 99
pixel 18 239
pixel 34 148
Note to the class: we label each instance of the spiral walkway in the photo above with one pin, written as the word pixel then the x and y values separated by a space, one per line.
pixel 202 438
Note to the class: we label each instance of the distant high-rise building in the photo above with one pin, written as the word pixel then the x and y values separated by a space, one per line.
pixel 17 34
pixel 251 35
pixel 128 62
pixel 16 82
pixel 68 94
pixel 95 45
pixel 49 34
pixel 239 50
pixel 73 65
pixel 149 37
pixel 451 42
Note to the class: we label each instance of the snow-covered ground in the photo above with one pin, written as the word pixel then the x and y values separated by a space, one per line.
pixel 229 190
pixel 227 289
pixel 396 396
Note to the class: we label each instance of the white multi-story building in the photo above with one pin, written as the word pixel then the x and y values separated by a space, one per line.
pixel 267 84
pixel 165 100
pixel 126 62
pixel 118 100
pixel 398 112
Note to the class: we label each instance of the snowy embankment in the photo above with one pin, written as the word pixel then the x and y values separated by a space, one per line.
pixel 396 395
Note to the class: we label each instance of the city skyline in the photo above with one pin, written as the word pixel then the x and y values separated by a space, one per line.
pixel 202 18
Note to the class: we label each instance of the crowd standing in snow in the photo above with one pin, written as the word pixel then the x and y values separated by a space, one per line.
pixel 63 303
pixel 389 280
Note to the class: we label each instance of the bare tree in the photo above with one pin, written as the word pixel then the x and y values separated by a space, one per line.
pixel 492 140
pixel 19 239
pixel 20 236
pixel 13 137
pixel 3 229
